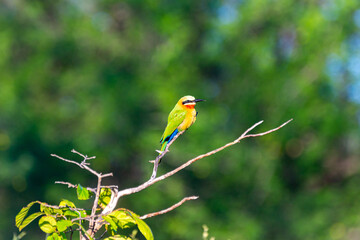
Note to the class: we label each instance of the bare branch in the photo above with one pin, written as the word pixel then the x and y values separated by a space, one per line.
pixel 89 218
pixel 97 195
pixel 66 160
pixel 82 155
pixel 106 175
pixel 82 165
pixel 251 128
pixel 162 154
pixel 60 207
pixel 69 185
pixel 267 132
pixel 150 182
pixel 149 215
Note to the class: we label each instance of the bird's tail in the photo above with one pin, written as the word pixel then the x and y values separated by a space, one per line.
pixel 163 146
pixel 167 140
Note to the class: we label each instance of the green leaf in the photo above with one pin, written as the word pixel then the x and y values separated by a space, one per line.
pixel 119 219
pixel 71 214
pixel 66 203
pixel 57 236
pixel 29 219
pixel 118 237
pixel 113 224
pixel 143 227
pixel 47 224
pixel 49 210
pixel 22 214
pixel 82 193
pixel 62 225
pixel 83 213
pixel 104 198
pixel 54 236
pixel 123 218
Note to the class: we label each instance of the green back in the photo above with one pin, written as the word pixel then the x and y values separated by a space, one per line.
pixel 176 117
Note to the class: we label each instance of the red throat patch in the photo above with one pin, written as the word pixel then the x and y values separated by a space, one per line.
pixel 190 106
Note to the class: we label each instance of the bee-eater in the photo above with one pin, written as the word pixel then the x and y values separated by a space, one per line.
pixel 180 118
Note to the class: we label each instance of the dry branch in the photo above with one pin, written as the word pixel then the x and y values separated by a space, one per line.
pixel 162 154
pixel 149 215
pixel 111 206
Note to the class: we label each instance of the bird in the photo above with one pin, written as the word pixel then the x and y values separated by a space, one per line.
pixel 180 118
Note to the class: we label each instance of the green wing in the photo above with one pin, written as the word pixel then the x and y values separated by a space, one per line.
pixel 176 117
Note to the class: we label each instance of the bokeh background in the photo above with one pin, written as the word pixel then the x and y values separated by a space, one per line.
pixel 102 76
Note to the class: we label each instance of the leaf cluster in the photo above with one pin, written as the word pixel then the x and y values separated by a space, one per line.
pixel 61 221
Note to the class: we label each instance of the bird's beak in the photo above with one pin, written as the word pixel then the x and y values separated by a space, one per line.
pixel 199 100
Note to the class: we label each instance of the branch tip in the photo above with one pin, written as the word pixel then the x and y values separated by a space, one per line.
pixel 170 208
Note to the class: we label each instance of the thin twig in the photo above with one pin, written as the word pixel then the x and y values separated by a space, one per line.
pixel 82 155
pixel 267 132
pixel 59 207
pixel 83 164
pixel 69 185
pixel 161 155
pixel 149 215
pixel 102 234
pixel 88 218
pixel 106 175
pixel 97 195
pixel 66 160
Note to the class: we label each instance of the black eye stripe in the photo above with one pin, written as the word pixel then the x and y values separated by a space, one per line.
pixel 186 101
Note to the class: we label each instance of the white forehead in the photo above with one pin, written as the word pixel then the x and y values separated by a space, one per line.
pixel 191 98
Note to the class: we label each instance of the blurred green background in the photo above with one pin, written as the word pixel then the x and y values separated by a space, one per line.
pixel 102 76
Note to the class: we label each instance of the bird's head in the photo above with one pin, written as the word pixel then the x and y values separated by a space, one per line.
pixel 188 101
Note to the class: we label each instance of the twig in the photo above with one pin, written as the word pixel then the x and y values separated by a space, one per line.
pixel 83 164
pixel 66 160
pixel 88 218
pixel 100 176
pixel 161 155
pixel 60 207
pixel 102 234
pixel 97 195
pixel 267 132
pixel 69 185
pixel 82 155
pixel 149 215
